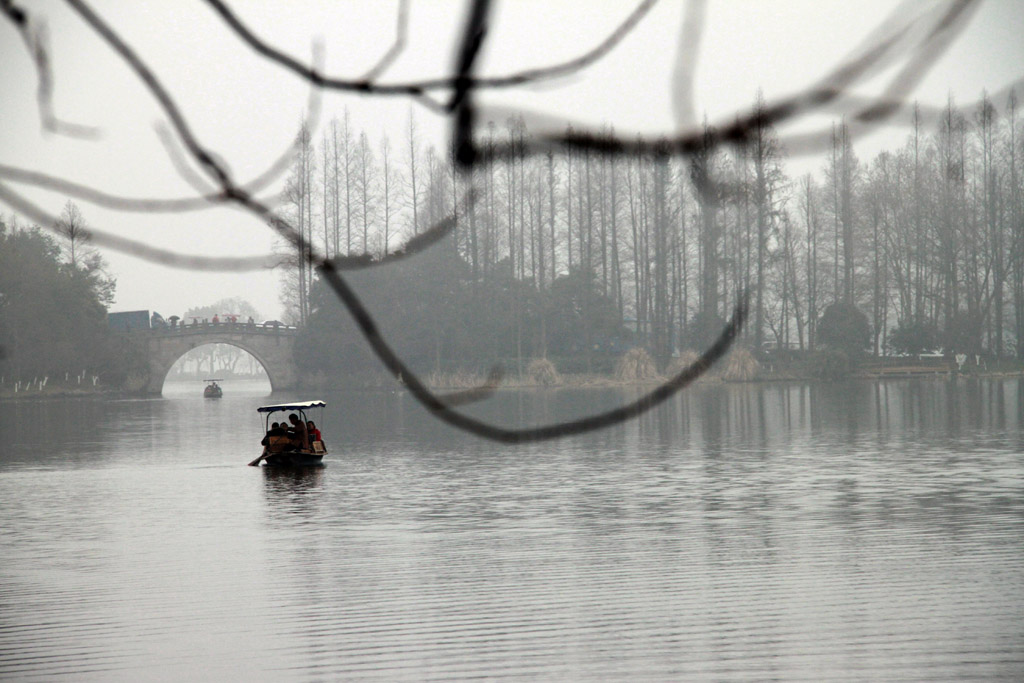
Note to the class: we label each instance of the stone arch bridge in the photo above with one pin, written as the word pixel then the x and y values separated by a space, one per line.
pixel 271 346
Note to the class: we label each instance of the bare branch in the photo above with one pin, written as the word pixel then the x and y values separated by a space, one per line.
pixel 443 412
pixel 415 245
pixel 209 195
pixel 401 32
pixel 36 39
pixel 460 105
pixel 933 47
pixel 311 121
pixel 99 198
pixel 892 41
pixel 229 191
pixel 201 155
pixel 574 65
pixel 181 161
pixel 418 88
pixel 260 182
pixel 484 391
pixel 142 250
pixel 686 64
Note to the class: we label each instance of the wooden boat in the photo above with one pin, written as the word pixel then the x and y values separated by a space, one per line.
pixel 294 459
pixel 279 450
pixel 213 389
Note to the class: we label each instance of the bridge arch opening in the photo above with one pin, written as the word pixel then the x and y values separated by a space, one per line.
pixel 271 347
pixel 238 369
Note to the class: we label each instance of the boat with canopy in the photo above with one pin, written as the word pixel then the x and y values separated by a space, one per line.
pixel 213 389
pixel 282 449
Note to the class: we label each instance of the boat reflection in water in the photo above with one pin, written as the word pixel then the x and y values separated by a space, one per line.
pixel 293 489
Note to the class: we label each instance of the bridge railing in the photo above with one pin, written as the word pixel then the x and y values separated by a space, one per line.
pixel 222 327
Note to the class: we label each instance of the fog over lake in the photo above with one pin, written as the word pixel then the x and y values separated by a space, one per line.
pixel 794 229
pixel 861 531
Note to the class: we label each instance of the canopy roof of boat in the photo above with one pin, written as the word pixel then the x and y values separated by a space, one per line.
pixel 298 405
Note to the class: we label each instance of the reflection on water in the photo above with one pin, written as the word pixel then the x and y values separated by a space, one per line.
pixel 865 531
pixel 292 489
pixel 237 387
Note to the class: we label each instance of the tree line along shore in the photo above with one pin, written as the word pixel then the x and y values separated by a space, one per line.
pixel 579 259
pixel 918 250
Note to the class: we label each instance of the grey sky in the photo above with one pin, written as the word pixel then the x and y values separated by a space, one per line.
pixel 248 110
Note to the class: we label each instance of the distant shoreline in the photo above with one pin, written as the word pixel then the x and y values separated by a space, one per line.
pixel 603 382
pixel 448 382
pixel 47 393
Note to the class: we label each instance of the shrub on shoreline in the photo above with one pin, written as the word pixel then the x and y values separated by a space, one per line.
pixel 741 366
pixel 543 372
pixel 636 365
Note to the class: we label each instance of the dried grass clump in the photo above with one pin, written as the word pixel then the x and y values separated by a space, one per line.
pixel 681 362
pixel 741 366
pixel 636 365
pixel 542 371
pixel 460 379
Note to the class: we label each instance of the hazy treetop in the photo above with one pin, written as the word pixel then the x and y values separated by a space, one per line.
pixel 248 110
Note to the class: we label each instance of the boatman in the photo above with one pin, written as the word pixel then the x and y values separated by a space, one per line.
pixel 299 432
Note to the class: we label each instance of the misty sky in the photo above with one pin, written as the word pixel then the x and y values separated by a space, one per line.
pixel 248 110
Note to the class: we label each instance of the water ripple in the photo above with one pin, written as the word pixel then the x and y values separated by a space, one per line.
pixel 706 541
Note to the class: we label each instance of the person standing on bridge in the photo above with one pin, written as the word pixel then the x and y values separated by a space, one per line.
pixel 216 319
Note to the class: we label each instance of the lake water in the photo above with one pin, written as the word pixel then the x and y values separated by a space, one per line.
pixel 808 532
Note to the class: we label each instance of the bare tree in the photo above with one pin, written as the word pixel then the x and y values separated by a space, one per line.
pixel 300 197
pixel 414 194
pixel 73 229
pixel 388 191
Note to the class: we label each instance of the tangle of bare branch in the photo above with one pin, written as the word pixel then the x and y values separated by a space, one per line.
pixel 220 174
pixel 917 37
pixel 437 405
pixel 270 175
pixel 207 195
pixel 228 191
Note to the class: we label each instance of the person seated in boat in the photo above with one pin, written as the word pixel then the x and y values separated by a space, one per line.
pixel 314 433
pixel 276 439
pixel 298 433
pixel 275 430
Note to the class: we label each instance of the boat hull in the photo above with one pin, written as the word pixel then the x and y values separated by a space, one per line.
pixel 294 459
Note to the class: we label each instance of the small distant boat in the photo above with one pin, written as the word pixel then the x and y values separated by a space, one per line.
pixel 213 389
pixel 279 449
